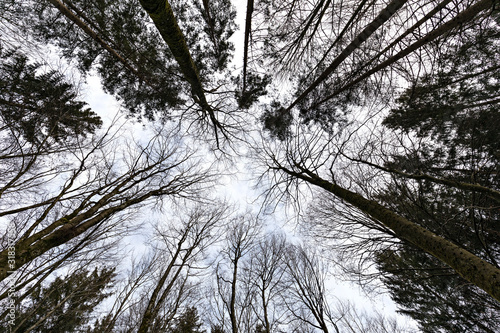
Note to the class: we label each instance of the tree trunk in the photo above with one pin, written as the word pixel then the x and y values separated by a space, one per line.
pixel 164 19
pixel 463 17
pixel 232 304
pixel 67 228
pixel 383 17
pixel 248 30
pixel 467 265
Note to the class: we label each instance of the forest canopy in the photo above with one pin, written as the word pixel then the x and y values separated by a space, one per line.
pixel 368 129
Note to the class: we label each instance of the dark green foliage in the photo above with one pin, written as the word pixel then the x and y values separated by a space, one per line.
pixel 456 111
pixel 187 322
pixel 216 329
pixel 155 87
pixel 36 106
pixel 123 26
pixel 330 116
pixel 277 121
pixel 102 324
pixel 249 93
pixel 432 294
pixel 459 104
pixel 218 24
pixel 260 329
pixel 66 304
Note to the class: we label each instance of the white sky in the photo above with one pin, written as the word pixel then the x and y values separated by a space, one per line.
pixel 239 189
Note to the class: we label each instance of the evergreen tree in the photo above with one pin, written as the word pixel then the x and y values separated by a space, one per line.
pixel 456 109
pixel 188 322
pixel 65 305
pixel 133 63
pixel 458 104
pixel 36 106
pixel 260 329
pixel 148 72
pixel 433 295
pixel 216 329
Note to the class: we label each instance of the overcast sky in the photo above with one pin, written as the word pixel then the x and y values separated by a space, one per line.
pixel 239 189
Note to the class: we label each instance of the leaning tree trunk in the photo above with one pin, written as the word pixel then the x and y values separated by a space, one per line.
pixel 383 17
pixel 461 18
pixel 164 19
pixel 472 268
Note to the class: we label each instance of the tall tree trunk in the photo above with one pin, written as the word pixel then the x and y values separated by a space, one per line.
pixel 463 17
pixel 156 300
pixel 342 33
pixel 75 224
pixel 248 31
pixel 295 46
pixel 232 303
pixel 383 17
pixel 472 268
pixel 164 19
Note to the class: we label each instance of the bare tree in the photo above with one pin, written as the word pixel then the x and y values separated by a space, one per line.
pixel 384 16
pixel 314 163
pixel 266 269
pixel 306 296
pixel 99 182
pixel 464 16
pixel 353 320
pixel 121 315
pixel 310 306
pixel 233 289
pixel 183 244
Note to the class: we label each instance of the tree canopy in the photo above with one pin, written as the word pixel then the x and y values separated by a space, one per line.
pixel 369 130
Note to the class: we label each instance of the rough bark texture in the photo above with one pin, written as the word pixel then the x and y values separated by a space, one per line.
pixel 470 267
pixel 85 216
pixel 163 17
pixel 62 231
pixel 248 30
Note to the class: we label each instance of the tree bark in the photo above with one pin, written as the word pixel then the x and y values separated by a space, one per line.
pixel 248 30
pixel 75 224
pixel 472 268
pixel 232 303
pixel 463 17
pixel 164 19
pixel 383 17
